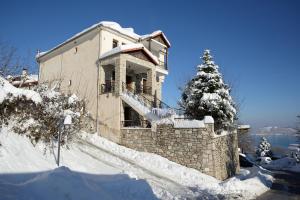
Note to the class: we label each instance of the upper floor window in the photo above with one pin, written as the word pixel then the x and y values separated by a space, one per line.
pixel 113 75
pixel 115 43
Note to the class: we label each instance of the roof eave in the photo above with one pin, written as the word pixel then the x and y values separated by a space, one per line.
pixel 79 35
pixel 68 41
pixel 132 50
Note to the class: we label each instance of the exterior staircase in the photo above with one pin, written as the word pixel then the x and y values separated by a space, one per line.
pixel 152 110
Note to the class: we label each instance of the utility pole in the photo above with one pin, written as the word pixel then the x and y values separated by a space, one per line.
pixel 59 141
pixel 63 125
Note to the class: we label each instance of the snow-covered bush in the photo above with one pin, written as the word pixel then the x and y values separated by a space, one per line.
pixel 207 94
pixel 42 120
pixel 296 156
pixel 264 148
pixel 265 160
pixel 295 152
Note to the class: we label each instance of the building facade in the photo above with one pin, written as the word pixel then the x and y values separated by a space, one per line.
pixel 120 74
pixel 116 71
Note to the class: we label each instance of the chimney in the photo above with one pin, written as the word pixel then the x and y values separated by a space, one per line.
pixel 24 72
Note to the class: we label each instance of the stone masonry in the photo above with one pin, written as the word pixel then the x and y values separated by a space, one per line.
pixel 198 148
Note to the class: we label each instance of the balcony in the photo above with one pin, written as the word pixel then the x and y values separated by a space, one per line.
pixel 163 65
pixel 137 89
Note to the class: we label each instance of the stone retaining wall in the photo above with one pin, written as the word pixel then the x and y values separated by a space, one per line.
pixel 198 148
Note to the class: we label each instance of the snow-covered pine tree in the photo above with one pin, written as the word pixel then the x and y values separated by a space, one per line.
pixel 298 124
pixel 207 94
pixel 264 148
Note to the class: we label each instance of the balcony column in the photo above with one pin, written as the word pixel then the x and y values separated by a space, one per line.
pixel 120 73
pixel 151 80
pixel 161 79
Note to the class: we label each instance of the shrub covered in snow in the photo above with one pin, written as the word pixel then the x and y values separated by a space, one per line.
pixel 207 94
pixel 264 148
pixel 41 120
pixel 295 152
pixel 296 156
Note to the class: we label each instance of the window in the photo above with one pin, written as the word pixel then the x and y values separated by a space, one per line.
pixel 115 43
pixel 157 78
pixel 123 43
pixel 113 75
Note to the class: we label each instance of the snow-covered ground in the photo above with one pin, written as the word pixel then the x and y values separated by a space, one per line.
pixel 286 163
pixel 8 92
pixel 94 167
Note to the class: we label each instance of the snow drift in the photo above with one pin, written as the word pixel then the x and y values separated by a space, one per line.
pixel 8 92
pixel 95 166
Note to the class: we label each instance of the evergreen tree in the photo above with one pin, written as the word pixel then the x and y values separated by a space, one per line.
pixel 264 148
pixel 207 94
pixel 298 124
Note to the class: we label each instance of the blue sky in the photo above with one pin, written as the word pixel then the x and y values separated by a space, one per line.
pixel 255 43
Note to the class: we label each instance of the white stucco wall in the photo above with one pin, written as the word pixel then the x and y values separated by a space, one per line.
pixel 76 63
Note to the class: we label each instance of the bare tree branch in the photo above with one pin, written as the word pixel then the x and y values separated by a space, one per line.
pixel 9 60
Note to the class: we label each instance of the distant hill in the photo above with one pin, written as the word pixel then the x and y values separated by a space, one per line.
pixel 278 130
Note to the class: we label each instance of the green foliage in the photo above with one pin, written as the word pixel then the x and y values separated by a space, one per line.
pixel 207 94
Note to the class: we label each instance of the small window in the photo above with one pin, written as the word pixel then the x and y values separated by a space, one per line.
pixel 115 43
pixel 157 78
pixel 70 82
pixel 113 75
pixel 123 43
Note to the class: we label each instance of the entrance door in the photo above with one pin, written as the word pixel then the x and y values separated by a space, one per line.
pixel 127 117
pixel 144 85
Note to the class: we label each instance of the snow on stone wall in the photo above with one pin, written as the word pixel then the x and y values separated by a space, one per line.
pixel 196 148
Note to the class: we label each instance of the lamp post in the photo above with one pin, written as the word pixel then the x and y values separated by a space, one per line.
pixel 67 123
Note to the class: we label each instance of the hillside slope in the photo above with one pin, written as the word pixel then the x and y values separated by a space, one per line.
pixel 94 167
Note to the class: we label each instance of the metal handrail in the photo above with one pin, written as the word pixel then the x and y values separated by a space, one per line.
pixel 134 123
pixel 163 64
pixel 147 102
pixel 156 103
pixel 141 89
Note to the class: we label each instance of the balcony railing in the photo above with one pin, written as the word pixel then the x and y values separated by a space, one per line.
pixel 151 101
pixel 163 65
pixel 109 86
pixel 144 90
pixel 136 123
pixel 139 89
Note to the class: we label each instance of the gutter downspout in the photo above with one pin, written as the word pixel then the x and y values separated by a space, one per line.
pixel 98 74
pixel 39 66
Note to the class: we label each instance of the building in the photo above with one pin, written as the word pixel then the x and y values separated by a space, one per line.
pixel 120 75
pixel 101 64
pixel 24 80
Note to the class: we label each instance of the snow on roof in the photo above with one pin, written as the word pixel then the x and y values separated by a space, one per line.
pixel 181 122
pixel 129 48
pixel 108 24
pixel 244 126
pixel 34 77
pixel 19 80
pixel 126 31
pixel 156 33
pixel 188 123
pixel 209 120
pixel 39 54
pixel 6 88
